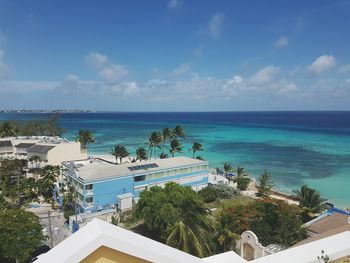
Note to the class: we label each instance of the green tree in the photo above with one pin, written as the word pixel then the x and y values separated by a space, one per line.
pixel 119 151
pixel 85 137
pixel 309 200
pixel 167 133
pixel 242 178
pixel 167 211
pixel 141 154
pixel 265 184
pixel 228 168
pixel 196 147
pixel 209 194
pixel 179 132
pixel 20 234
pixel 8 129
pixel 154 141
pixel 49 175
pixel 175 146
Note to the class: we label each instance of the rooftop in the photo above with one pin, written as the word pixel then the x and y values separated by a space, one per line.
pixel 5 143
pixel 97 169
pixel 97 234
pixel 329 222
pixel 40 149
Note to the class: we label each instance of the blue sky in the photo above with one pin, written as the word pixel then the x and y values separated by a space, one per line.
pixel 175 55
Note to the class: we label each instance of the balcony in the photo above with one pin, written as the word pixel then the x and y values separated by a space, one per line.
pixel 89 192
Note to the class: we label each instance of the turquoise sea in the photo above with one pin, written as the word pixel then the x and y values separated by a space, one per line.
pixel 296 147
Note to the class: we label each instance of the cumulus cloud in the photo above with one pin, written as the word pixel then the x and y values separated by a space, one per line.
pixel 108 71
pixel 97 60
pixel 182 69
pixel 113 73
pixel 281 42
pixel 322 64
pixel 131 88
pixel 215 25
pixel 290 87
pixel 264 75
pixel 4 69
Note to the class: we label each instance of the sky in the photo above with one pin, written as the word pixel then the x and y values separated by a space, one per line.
pixel 175 55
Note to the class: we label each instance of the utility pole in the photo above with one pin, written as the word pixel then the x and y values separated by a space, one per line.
pixel 50 230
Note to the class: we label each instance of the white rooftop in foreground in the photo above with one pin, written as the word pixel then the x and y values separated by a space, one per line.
pixel 99 233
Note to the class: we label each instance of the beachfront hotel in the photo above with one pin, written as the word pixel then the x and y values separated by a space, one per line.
pixel 101 184
pixel 51 150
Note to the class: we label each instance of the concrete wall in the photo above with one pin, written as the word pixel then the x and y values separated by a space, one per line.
pixel 105 193
pixel 65 152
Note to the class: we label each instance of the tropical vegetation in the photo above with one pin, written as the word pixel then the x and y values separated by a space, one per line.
pixel 265 184
pixel 309 200
pixel 85 137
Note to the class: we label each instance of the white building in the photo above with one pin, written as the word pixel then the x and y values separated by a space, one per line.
pixel 52 150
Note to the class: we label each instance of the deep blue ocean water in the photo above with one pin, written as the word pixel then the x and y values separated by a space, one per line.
pixel 296 147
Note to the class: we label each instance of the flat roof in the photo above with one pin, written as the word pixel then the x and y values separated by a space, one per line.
pixel 97 169
pixel 41 149
pixel 331 221
pixel 25 144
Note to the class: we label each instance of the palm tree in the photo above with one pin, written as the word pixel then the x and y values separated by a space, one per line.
pixel 154 141
pixel 309 199
pixel 226 238
pixel 163 155
pixel 242 178
pixel 85 137
pixel 7 129
pixel 167 134
pixel 227 169
pixel 141 154
pixel 187 240
pixel 120 151
pixel 175 146
pixel 196 147
pixel 179 132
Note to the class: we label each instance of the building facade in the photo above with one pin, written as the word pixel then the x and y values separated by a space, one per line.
pixel 51 150
pixel 99 183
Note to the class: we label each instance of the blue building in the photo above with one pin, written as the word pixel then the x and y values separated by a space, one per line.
pixel 99 183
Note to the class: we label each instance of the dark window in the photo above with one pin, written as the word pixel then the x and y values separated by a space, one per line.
pixel 140 178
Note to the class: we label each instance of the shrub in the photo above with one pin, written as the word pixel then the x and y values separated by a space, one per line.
pixel 209 194
pixel 225 192
pixel 242 183
pixel 68 213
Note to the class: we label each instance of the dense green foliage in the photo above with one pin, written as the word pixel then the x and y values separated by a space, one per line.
pixel 265 184
pixel 20 234
pixel 174 211
pixel 196 147
pixel 242 178
pixel 141 154
pixel 218 191
pixel 273 221
pixel 48 176
pixel 34 127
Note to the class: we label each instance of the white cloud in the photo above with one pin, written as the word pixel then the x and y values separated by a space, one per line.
pixel 174 3
pixel 97 60
pixel 215 25
pixel 322 64
pixel 4 69
pixel 131 89
pixel 345 69
pixel 183 68
pixel 281 42
pixel 113 73
pixel 264 75
pixel 108 72
pixel 290 87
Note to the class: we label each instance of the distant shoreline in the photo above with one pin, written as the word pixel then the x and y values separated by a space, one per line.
pixel 46 111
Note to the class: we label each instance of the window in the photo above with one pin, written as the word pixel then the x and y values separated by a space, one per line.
pixel 139 178
pixel 89 199
pixel 89 187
